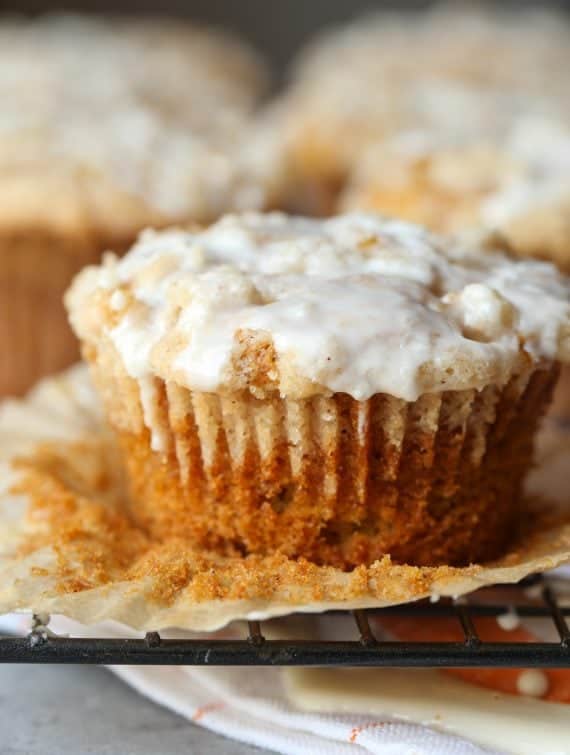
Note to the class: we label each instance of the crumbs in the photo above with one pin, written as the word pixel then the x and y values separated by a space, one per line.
pixel 77 508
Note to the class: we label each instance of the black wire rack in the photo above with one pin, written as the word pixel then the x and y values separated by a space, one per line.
pixel 365 650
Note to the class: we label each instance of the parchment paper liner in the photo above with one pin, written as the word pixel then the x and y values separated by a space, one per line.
pixel 60 559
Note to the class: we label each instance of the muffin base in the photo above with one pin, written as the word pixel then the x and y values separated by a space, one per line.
pixel 331 479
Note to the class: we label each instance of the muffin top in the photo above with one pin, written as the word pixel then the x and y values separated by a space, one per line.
pixel 453 69
pixel 153 109
pixel 353 304
pixel 517 185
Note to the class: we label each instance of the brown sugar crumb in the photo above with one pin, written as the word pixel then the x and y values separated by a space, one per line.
pixel 38 571
pixel 77 508
pixel 254 360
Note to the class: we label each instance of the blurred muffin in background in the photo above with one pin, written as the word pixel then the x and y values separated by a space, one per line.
pixel 453 70
pixel 108 126
pixel 515 191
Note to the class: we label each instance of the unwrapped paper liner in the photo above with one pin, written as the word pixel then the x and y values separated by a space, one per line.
pixel 62 559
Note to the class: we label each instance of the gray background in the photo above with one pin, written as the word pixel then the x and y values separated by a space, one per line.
pixel 80 710
pixel 275 27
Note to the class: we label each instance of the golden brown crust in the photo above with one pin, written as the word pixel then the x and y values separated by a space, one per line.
pixel 337 481
pixel 77 507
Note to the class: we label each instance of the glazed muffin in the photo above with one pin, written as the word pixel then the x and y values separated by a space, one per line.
pixel 337 390
pixel 108 127
pixel 452 70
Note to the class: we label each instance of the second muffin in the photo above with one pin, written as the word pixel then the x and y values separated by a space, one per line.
pixel 109 126
pixel 338 390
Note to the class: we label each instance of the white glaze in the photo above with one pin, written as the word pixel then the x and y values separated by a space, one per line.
pixel 506 176
pixel 354 304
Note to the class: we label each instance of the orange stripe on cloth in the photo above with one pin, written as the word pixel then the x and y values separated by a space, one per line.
pixel 359 729
pixel 200 712
pixel 500 680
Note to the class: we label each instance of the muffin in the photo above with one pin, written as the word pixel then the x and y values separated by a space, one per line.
pixel 108 127
pixel 515 191
pixel 452 69
pixel 335 389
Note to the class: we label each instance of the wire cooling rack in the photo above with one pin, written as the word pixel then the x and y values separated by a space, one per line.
pixel 366 649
